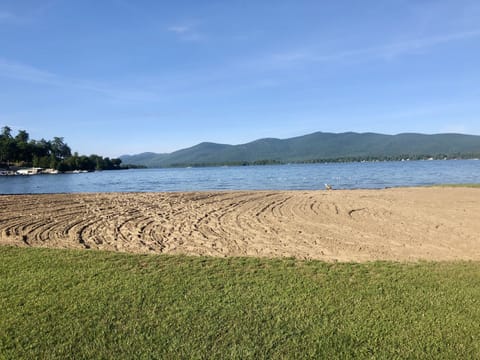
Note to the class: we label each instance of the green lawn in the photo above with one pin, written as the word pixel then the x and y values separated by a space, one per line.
pixel 91 304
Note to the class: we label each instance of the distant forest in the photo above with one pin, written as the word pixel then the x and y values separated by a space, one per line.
pixel 20 150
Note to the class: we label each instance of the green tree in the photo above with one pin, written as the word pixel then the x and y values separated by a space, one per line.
pixel 6 132
pixel 23 148
pixel 7 146
pixel 116 163
pixel 22 136
pixel 60 149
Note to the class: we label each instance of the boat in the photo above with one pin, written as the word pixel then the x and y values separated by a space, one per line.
pixel 30 171
pixel 50 171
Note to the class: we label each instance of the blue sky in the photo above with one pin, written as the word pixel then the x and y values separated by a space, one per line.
pixel 120 77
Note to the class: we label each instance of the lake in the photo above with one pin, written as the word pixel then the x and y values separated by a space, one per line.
pixel 371 175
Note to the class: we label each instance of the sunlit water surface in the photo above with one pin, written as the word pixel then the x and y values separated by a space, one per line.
pixel 276 177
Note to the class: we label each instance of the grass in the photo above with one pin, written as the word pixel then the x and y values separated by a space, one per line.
pixel 89 304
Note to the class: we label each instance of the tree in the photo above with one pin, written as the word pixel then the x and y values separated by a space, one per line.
pixel 22 136
pixel 23 148
pixel 54 154
pixel 59 149
pixel 6 132
pixel 116 163
pixel 41 148
pixel 7 145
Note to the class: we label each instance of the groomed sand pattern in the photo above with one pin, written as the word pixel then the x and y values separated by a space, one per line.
pixel 354 225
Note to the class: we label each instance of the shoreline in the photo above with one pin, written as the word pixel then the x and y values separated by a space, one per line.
pixel 439 223
pixel 446 185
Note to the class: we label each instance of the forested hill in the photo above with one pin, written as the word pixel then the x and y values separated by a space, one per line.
pixel 318 147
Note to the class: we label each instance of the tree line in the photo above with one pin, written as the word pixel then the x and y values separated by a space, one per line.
pixel 20 150
pixel 344 159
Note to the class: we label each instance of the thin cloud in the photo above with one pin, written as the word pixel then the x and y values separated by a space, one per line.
pixel 403 47
pixel 263 68
pixel 33 13
pixel 179 29
pixel 427 42
pixel 124 94
pixel 291 57
pixel 6 16
pixel 23 72
pixel 186 32
pixel 393 50
pixel 387 51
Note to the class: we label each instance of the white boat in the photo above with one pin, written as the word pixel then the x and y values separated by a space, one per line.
pixel 31 171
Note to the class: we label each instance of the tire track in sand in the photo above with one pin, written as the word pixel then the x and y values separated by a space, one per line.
pixel 360 225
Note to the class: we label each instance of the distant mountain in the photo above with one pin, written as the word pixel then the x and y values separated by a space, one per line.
pixel 148 159
pixel 317 147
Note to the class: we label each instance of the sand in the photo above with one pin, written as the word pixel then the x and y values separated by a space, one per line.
pixel 401 224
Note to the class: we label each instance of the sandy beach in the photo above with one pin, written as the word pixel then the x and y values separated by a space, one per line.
pixel 402 224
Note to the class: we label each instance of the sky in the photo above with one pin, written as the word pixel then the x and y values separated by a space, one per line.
pixel 118 77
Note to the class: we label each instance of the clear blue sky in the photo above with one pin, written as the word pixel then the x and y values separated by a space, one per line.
pixel 120 77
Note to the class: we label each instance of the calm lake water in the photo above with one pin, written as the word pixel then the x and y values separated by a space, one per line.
pixel 277 177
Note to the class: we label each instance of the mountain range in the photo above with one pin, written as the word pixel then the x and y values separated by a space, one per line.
pixel 317 147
